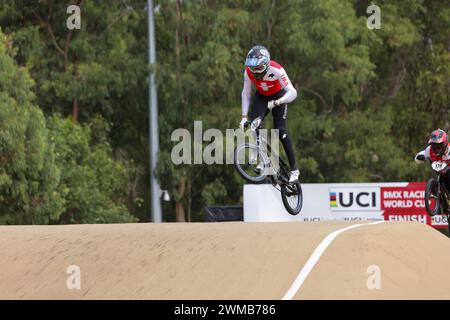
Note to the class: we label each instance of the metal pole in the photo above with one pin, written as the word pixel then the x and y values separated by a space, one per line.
pixel 156 214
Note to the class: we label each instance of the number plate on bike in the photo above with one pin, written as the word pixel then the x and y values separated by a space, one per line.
pixel 438 165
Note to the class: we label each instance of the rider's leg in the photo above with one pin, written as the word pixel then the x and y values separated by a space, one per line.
pixel 445 178
pixel 279 122
pixel 258 108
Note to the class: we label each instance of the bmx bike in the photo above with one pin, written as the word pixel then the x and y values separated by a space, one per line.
pixel 248 156
pixel 437 196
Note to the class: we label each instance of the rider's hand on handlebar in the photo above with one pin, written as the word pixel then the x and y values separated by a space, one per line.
pixel 420 157
pixel 243 123
pixel 272 104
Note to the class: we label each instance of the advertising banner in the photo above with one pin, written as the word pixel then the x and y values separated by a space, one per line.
pixel 391 201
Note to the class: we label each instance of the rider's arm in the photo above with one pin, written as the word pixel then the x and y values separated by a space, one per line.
pixel 246 94
pixel 422 156
pixel 291 92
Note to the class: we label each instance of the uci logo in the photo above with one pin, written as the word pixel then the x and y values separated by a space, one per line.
pixel 354 199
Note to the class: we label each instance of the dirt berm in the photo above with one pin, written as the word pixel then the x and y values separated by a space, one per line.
pixel 233 260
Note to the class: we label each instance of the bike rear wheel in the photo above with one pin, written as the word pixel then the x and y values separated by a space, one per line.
pixel 432 201
pixel 246 158
pixel 292 197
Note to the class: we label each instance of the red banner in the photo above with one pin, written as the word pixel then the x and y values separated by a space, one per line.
pixel 405 203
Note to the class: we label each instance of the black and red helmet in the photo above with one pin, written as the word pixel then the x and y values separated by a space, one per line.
pixel 438 142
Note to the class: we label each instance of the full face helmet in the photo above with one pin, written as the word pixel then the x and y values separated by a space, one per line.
pixel 258 59
pixel 438 142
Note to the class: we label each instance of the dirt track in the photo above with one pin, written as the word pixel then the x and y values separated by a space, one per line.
pixel 222 261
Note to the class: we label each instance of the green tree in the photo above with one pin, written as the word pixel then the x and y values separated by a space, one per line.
pixel 94 185
pixel 29 176
pixel 99 70
pixel 54 172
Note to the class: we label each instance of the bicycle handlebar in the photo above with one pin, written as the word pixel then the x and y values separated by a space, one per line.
pixel 248 123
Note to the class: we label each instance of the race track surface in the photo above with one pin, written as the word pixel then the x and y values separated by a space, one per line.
pixel 233 260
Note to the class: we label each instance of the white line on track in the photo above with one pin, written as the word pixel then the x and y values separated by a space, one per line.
pixel 315 256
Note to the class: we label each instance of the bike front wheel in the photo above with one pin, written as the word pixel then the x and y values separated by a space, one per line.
pixel 432 201
pixel 292 197
pixel 247 158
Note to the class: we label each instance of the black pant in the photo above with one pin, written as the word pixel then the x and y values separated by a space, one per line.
pixel 445 178
pixel 279 114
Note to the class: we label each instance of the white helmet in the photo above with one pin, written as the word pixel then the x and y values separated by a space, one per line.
pixel 258 59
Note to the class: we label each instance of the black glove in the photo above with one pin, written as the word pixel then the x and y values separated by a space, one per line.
pixel 420 157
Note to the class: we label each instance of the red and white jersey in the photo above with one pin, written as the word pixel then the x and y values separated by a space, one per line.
pixel 273 81
pixel 429 155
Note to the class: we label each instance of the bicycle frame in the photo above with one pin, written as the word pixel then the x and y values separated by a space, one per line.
pixel 444 194
pixel 282 174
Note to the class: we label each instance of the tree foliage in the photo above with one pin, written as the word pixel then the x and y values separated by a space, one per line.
pixel 50 169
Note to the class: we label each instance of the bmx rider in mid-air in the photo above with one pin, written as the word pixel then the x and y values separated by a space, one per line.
pixel 273 91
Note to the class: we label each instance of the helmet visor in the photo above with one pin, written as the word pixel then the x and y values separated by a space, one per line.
pixel 255 65
pixel 251 62
pixel 438 148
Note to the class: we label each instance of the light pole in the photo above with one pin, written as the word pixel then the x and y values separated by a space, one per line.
pixel 153 138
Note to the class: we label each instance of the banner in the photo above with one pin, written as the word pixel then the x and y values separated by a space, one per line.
pixel 391 201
